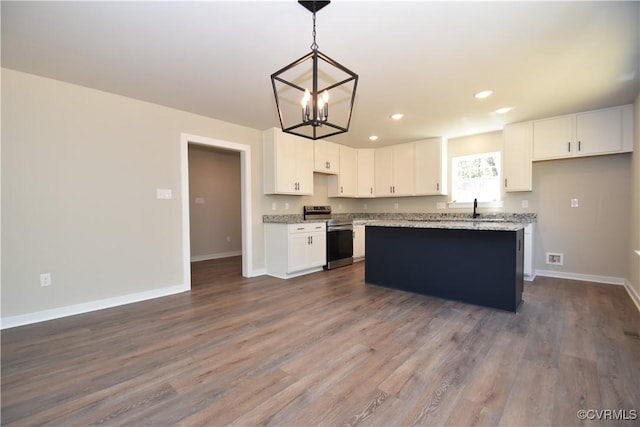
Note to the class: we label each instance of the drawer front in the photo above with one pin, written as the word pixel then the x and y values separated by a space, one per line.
pixel 307 227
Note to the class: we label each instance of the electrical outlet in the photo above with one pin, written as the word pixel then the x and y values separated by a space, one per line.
pixel 364 206
pixel 575 203
pixel 228 239
pixel 340 207
pixel 525 204
pixel 441 205
pixel 273 206
pixel 286 206
pixel 396 205
pixel 45 279
pixel 555 258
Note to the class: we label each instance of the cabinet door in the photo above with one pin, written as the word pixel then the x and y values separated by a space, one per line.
pixel 517 157
pixel 298 252
pixel 317 250
pixel 430 167
pixel 344 184
pixel 326 157
pixel 554 138
pixel 599 132
pixel 383 171
pixel 302 165
pixel 366 177
pixel 403 170
pixel 358 241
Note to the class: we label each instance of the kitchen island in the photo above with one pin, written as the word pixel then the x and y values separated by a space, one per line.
pixel 476 262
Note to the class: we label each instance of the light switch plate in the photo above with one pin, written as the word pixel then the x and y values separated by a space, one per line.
pixel 163 194
pixel 441 205
pixel 525 204
pixel 199 200
pixel 575 203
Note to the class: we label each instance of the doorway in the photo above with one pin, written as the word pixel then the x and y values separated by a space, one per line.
pixel 245 199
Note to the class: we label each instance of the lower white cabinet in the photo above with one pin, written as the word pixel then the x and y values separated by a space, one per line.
pixel 295 249
pixel 529 252
pixel 358 242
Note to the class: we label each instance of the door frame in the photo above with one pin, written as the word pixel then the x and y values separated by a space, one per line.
pixel 245 199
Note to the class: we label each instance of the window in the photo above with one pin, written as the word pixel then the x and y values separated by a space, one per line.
pixel 476 177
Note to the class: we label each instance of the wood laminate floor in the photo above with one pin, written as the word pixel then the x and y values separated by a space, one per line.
pixel 326 349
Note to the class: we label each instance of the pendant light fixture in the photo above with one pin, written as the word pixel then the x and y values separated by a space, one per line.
pixel 314 94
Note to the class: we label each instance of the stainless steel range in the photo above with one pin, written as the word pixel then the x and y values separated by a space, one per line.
pixel 339 235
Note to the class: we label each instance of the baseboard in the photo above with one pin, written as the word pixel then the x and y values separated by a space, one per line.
pixel 635 297
pixel 207 257
pixel 71 310
pixel 584 277
pixel 257 272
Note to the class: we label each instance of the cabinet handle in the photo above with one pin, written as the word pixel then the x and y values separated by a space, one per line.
pixel 371 190
pixel 308 240
pixel 505 183
pixel 437 186
pixel 300 228
pixel 353 234
pixel 579 145
pixel 569 146
pixel 341 190
pixel 319 227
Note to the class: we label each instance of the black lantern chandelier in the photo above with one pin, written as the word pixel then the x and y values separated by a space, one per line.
pixel 315 94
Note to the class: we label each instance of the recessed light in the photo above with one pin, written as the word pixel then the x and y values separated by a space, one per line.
pixel 397 116
pixel 504 110
pixel 373 137
pixel 483 94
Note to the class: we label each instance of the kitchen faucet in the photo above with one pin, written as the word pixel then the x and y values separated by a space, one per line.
pixel 475 206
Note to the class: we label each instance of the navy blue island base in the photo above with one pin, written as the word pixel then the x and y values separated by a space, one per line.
pixel 482 267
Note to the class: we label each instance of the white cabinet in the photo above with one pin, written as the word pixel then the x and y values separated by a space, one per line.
pixel 358 241
pixel 345 183
pixel 590 133
pixel 287 163
pixel 430 167
pixel 516 159
pixel 326 157
pixel 295 249
pixel 394 170
pixel 529 252
pixel 366 176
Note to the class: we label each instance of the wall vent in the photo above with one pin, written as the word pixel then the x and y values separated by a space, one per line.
pixel 555 258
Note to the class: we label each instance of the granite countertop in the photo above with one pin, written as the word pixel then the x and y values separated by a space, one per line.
pixel 502 219
pixel 451 225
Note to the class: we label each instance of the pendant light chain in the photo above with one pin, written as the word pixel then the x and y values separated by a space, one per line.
pixel 314 45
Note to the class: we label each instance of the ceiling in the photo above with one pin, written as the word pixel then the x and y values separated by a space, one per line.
pixel 423 59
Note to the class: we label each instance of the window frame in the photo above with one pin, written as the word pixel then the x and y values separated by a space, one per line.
pixel 494 203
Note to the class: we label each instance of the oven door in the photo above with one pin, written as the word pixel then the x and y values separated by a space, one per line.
pixel 339 246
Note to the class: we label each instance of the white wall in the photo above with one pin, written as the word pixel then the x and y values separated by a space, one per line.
pixel 633 274
pixel 80 169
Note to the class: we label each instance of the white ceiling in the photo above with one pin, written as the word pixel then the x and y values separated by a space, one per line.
pixel 424 59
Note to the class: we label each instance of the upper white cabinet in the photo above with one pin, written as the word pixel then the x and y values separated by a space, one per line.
pixel 605 131
pixel 516 159
pixel 366 175
pixel 287 163
pixel 430 167
pixel 345 183
pixel 394 170
pixel 326 157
